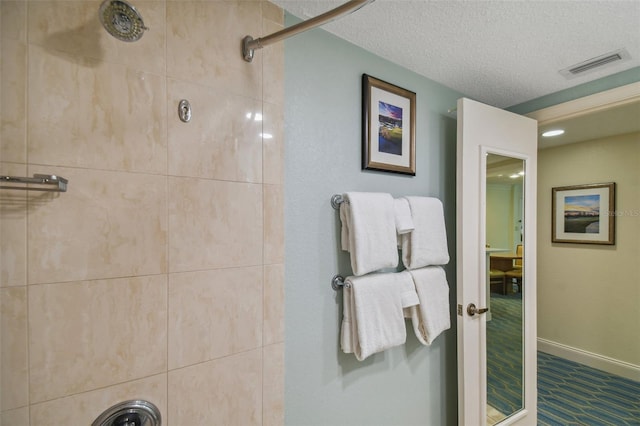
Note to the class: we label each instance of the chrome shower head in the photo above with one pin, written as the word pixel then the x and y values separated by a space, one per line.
pixel 121 20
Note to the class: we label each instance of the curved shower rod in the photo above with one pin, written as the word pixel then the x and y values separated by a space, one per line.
pixel 249 44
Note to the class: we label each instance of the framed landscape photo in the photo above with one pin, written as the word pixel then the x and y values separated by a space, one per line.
pixel 583 214
pixel 388 127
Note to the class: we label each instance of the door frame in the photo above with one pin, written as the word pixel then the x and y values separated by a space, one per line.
pixel 575 108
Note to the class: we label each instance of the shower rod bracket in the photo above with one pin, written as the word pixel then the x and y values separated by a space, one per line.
pixel 249 44
pixel 247 52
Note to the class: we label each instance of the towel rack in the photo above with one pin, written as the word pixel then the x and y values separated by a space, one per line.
pixel 336 200
pixel 59 182
pixel 337 283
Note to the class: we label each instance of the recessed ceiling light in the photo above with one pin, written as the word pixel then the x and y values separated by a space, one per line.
pixel 550 133
pixel 514 176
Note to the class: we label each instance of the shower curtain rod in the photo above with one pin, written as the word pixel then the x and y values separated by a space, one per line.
pixel 249 44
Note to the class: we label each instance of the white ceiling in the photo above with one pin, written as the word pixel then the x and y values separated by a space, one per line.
pixel 499 52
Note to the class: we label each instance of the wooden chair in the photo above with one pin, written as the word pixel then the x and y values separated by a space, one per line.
pixel 497 277
pixel 515 275
pixel 517 263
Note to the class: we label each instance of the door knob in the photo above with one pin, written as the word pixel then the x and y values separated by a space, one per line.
pixel 472 310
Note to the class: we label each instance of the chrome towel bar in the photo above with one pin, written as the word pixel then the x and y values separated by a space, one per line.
pixel 59 182
pixel 336 200
pixel 337 283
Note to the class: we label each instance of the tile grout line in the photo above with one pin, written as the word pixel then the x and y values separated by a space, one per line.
pixel 167 208
pixel 26 236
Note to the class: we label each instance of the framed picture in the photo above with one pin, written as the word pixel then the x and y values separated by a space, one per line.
pixel 583 214
pixel 388 127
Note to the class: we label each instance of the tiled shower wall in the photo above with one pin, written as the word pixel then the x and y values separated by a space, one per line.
pixel 159 274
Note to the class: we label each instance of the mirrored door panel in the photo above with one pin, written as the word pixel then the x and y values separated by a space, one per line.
pixel 504 263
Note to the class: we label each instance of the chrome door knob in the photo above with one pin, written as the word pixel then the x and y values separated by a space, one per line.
pixel 472 310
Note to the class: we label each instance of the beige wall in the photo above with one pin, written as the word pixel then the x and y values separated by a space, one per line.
pixel 159 274
pixel 500 216
pixel 588 294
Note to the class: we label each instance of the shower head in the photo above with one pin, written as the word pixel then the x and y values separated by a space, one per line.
pixel 121 20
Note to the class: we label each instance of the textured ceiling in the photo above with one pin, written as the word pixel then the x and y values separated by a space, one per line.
pixel 501 53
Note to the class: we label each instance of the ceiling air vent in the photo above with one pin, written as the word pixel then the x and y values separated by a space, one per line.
pixel 595 63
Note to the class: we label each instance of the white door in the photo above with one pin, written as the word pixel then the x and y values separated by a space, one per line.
pixel 493 139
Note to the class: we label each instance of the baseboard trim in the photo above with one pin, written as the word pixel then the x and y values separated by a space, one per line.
pixel 601 362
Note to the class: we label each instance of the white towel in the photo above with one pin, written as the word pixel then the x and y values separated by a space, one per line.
pixel 373 317
pixel 369 231
pixel 404 222
pixel 427 244
pixel 431 316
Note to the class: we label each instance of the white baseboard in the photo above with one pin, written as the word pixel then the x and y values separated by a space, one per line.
pixel 601 362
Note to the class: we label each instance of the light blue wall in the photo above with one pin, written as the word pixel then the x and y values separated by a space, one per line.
pixel 408 385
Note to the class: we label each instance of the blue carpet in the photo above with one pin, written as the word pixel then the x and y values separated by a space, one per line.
pixel 504 354
pixel 574 394
pixel 568 393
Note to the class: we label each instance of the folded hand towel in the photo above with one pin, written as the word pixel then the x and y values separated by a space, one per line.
pixel 404 222
pixel 373 318
pixel 369 231
pixel 431 316
pixel 427 244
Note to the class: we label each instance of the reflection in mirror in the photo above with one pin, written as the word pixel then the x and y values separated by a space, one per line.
pixel 505 280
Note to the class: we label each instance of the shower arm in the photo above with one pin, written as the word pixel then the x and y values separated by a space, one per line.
pixel 249 44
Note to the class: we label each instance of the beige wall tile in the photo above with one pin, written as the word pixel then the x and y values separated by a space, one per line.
pixel 102 113
pixel 84 408
pixel 222 140
pixel 13 16
pixel 273 224
pixel 273 385
pixel 273 304
pixel 13 79
pixel 101 116
pixel 13 348
pixel 17 417
pixel 73 27
pixel 214 314
pixel 227 391
pixel 13 92
pixel 107 225
pixel 13 230
pixel 91 334
pixel 214 224
pixel 273 147
pixel 272 12
pixel 203 44
pixel 273 57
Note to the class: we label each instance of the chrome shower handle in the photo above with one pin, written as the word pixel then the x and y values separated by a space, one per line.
pixel 130 413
